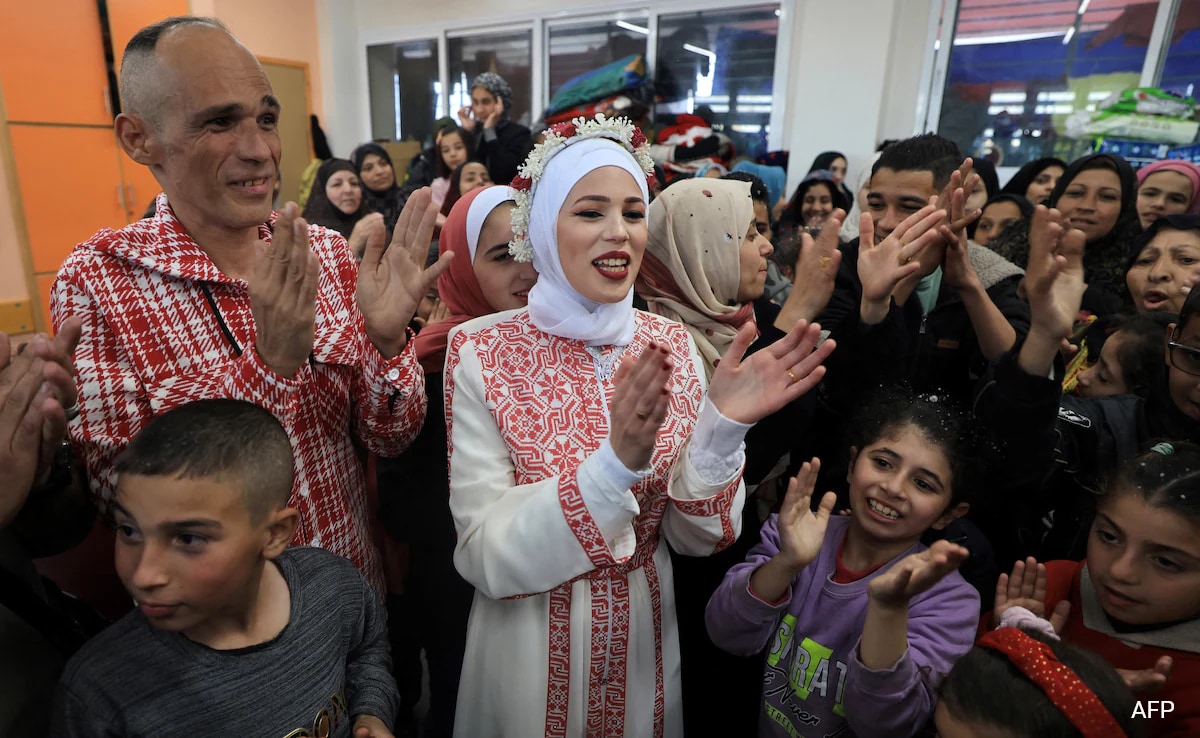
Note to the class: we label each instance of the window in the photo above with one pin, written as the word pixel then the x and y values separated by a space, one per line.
pixel 724 60
pixel 403 82
pixel 1019 71
pixel 576 48
pixel 1181 72
pixel 508 54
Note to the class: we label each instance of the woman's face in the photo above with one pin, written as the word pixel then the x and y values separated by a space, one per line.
pixel 504 281
pixel 344 191
pixel 996 217
pixel 473 176
pixel 453 150
pixel 838 168
pixel 1092 202
pixel 816 205
pixel 1163 193
pixel 752 261
pixel 376 173
pixel 1043 184
pixel 977 199
pixel 602 234
pixel 1161 270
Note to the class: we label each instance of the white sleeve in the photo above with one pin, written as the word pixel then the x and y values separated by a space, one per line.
pixel 529 538
pixel 706 491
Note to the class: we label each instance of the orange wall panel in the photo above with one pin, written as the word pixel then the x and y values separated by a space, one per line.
pixel 140 186
pixel 53 62
pixel 70 187
pixel 44 283
pixel 127 17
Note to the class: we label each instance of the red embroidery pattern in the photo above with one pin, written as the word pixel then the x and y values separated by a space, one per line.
pixel 551 412
pixel 151 342
pixel 720 505
pixel 558 695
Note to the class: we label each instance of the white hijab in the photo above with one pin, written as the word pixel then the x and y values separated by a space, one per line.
pixel 555 307
pixel 481 207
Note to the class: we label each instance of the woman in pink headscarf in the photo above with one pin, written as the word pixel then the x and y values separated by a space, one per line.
pixel 1167 187
pixel 414 491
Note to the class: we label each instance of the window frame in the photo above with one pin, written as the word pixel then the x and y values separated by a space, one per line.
pixel 539 23
pixel 929 107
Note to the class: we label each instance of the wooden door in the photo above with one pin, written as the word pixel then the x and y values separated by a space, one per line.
pixel 70 188
pixel 290 83
pixel 53 62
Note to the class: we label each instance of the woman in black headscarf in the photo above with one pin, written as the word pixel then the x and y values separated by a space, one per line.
pixel 337 202
pixel 834 162
pixel 378 177
pixel 1036 180
pixel 500 143
pixel 1098 195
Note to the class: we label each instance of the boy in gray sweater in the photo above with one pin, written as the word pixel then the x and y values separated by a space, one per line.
pixel 234 632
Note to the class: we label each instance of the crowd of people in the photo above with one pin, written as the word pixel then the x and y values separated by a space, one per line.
pixel 598 451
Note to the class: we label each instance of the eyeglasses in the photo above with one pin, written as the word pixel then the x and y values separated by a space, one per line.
pixel 1184 358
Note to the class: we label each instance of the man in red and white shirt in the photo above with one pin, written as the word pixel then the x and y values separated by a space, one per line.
pixel 216 296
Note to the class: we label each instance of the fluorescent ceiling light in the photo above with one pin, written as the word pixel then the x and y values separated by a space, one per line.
pixel 700 51
pixel 1070 35
pixel 1006 39
pixel 631 27
pixel 1083 6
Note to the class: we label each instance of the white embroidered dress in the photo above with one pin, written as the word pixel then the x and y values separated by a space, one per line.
pixel 572 631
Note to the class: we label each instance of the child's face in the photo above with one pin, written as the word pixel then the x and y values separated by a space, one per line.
pixel 1105 378
pixel 900 486
pixel 188 551
pixel 1144 561
pixel 453 150
pixel 1184 384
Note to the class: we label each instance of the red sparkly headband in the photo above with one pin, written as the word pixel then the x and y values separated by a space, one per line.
pixel 1063 686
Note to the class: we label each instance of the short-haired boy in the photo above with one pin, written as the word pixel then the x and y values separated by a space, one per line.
pixel 234 633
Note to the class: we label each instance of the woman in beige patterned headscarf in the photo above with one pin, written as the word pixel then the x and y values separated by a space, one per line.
pixel 705 261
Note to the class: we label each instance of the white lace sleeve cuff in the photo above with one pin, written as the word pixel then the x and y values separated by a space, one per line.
pixel 717 451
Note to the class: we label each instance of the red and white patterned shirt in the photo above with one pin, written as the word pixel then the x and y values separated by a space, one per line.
pixel 152 340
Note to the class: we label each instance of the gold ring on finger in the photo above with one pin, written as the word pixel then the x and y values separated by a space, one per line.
pixel 643 416
pixel 793 376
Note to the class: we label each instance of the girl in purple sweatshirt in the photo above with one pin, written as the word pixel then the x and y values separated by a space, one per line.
pixel 858 620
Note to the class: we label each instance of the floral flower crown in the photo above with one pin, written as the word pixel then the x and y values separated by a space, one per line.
pixel 557 138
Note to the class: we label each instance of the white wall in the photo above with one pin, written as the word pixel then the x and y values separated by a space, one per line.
pixel 854 73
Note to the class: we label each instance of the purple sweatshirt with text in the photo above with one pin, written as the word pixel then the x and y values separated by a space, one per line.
pixel 814 685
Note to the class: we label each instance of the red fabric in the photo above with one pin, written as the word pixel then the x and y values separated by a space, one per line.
pixel 842 575
pixel 457 287
pixel 151 342
pixel 1066 690
pixel 1183 686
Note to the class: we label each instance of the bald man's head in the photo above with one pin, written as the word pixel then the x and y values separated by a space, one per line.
pixel 142 77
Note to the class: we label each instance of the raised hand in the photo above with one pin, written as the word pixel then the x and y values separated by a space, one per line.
pixel 883 266
pixel 60 384
pixel 466 119
pixel 957 270
pixel 1026 587
pixel 283 296
pixel 802 531
pixel 965 179
pixel 814 274
pixel 369 227
pixel 915 574
pixel 1054 287
pixel 1153 679
pixel 393 281
pixel 639 406
pixel 748 389
pixel 21 418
